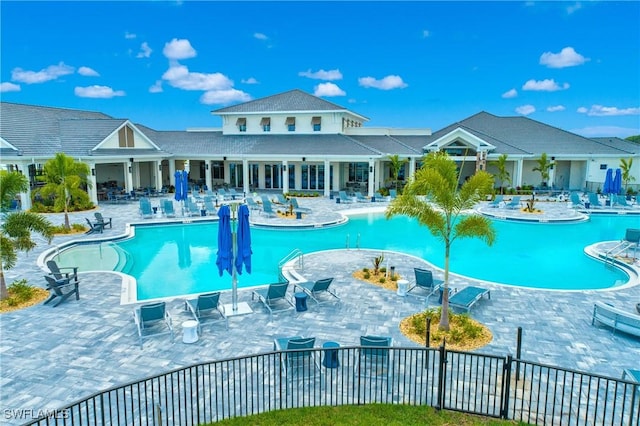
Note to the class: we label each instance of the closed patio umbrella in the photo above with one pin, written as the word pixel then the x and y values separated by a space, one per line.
pixel 225 241
pixel 243 253
pixel 617 182
pixel 607 188
pixel 178 179
pixel 185 184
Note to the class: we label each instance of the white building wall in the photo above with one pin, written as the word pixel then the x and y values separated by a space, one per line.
pixel 329 123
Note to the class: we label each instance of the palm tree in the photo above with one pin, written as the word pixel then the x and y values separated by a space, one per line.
pixel 503 174
pixel 627 177
pixel 445 214
pixel 16 228
pixel 544 165
pixel 396 164
pixel 64 179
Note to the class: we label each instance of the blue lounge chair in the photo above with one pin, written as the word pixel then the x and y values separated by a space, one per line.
pixel 152 319
pixel 344 198
pixel 192 208
pixel 297 207
pixel 575 200
pixel 514 203
pixel 252 204
pixel 207 307
pixel 234 195
pixel 102 220
pixel 267 209
pixel 373 360
pixel 298 363
pixel 467 297
pixel 621 202
pixel 594 201
pixel 209 207
pixel 274 297
pixel 167 208
pixel 281 199
pixel 313 289
pixel 496 201
pixel 361 198
pixel 145 208
pixel 425 282
pixel 393 194
pixel 223 195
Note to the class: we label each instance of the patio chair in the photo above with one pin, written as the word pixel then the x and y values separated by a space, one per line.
pixel 313 289
pixel 497 201
pixel 393 194
pixel 209 206
pixel 361 198
pixel 192 208
pixel 425 282
pixel 94 227
pixel 298 363
pixel 145 208
pixel 373 360
pixel 102 220
pixel 621 202
pixel 575 200
pixel 207 307
pixel 344 198
pixel 152 319
pixel 296 206
pixel 267 208
pixel 223 195
pixel 594 201
pixel 281 199
pixel 514 203
pixel 234 195
pixel 57 271
pixel 61 290
pixel 167 208
pixel 252 204
pixel 274 297
pixel 467 297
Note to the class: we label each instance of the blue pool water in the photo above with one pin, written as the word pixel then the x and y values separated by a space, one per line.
pixel 171 260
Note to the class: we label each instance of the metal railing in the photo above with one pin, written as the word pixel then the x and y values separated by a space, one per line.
pixel 487 385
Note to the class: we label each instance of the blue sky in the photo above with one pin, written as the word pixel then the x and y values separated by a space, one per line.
pixel 167 65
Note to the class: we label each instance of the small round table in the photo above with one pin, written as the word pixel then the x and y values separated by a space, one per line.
pixel 190 331
pixel 301 301
pixel 331 355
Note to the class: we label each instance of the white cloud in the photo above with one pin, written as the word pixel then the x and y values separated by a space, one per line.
pixel 260 36
pixel 604 131
pixel 573 8
pixel 145 51
pixel 180 77
pixel 510 94
pixel 547 85
pixel 556 108
pixel 103 92
pixel 425 33
pixel 599 111
pixel 9 87
pixel 52 72
pixel 157 87
pixel 250 80
pixel 129 35
pixel 224 97
pixel 526 109
pixel 88 72
pixel 328 89
pixel 322 74
pixel 567 57
pixel 387 83
pixel 178 49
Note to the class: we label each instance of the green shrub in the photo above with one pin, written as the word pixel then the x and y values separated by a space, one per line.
pixel 20 291
pixel 75 227
pixel 382 280
pixel 394 277
pixel 365 270
pixel 367 275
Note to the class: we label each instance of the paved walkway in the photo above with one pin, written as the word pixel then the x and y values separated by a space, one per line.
pixel 53 356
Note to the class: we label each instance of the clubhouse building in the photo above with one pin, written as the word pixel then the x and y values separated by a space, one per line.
pixel 295 142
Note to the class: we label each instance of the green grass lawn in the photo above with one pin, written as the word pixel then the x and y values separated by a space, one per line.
pixel 371 414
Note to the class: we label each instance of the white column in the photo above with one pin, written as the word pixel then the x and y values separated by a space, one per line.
pixel 128 174
pixel 92 189
pixel 327 178
pixel 172 172
pixel 517 179
pixel 372 176
pixel 285 177
pixel 412 169
pixel 245 175
pixel 207 175
pixel 25 197
pixel 379 175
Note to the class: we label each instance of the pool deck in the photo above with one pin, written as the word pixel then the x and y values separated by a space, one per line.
pixel 50 357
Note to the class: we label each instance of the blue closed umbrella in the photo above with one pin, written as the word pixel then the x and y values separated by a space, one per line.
pixel 178 178
pixel 185 184
pixel 243 254
pixel 617 182
pixel 607 188
pixel 225 241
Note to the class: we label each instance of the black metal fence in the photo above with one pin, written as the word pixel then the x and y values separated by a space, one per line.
pixel 487 385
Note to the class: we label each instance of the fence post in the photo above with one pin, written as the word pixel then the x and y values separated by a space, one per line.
pixel 428 336
pixel 506 387
pixel 518 352
pixel 441 375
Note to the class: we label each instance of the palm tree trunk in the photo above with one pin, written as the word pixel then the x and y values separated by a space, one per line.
pixel 3 285
pixel 444 315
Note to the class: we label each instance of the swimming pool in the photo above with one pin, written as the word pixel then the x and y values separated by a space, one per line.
pixel 182 257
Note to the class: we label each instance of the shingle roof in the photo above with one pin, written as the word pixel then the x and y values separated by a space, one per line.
pixel 390 145
pixel 293 100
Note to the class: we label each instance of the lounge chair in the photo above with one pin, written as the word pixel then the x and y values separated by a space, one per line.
pixel 575 200
pixel 297 207
pixel 496 201
pixel 313 289
pixel 634 376
pixel 57 271
pixel 594 201
pixel 467 297
pixel 145 208
pixel 223 195
pixel 266 207
pixel 514 203
pixel 425 282
pixel 274 296
pixel 621 202
pixel 617 319
pixel 102 220
pixel 205 307
pixel 393 194
pixel 152 319
pixel 373 359
pixel 344 198
pixel 281 199
pixel 361 198
pixel 209 207
pixel 233 193
pixel 93 227
pixel 167 208
pixel 61 289
pixel 192 208
pixel 252 204
pixel 298 363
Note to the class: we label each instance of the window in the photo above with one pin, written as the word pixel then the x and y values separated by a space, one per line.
pixel 266 124
pixel 242 124
pixel 290 122
pixel 125 137
pixel 217 170
pixel 603 167
pixel 316 123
